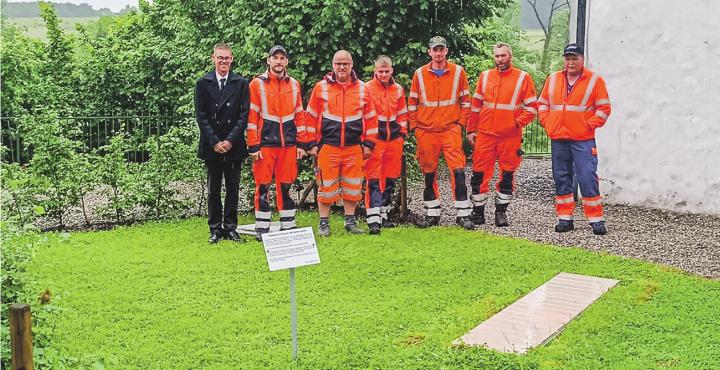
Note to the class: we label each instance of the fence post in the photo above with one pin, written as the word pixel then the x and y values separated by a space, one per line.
pixel 21 337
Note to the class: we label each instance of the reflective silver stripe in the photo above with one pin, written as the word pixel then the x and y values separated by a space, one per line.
pixel 263 215
pixel 530 109
pixel 464 212
pixel 295 90
pixel 601 114
pixel 551 87
pixel 421 82
pixel 589 89
pixel 373 211
pixel 413 94
pixel 475 110
pixel 362 94
pixel 299 109
pixel 310 129
pixel 372 131
pixel 376 219
pixel 262 224
pixel 402 111
pixel 324 94
pixel 402 124
pixel 370 115
pixel 287 213
pixel 301 129
pixel 595 219
pixel 565 217
pixel 311 112
pixel 564 200
pixel 276 118
pixel 479 199
pixel 284 225
pixel 385 118
pixel 516 92
pixel 251 126
pixel 602 101
pixel 433 212
pixel 432 203
pixel 543 101
pixel 254 107
pixel 530 100
pixel 444 103
pixel 383 213
pixel 478 96
pixel 333 117
pixel 501 198
pixel 592 203
pixel 263 98
pixel 352 180
pixel 569 108
pixel 462 204
pixel 329 183
pixel 499 106
pixel 412 108
pixel 329 194
pixel 354 117
pixel 464 105
pixel 543 108
pixel 465 92
pixel 456 83
pixel 351 191
pixel 484 81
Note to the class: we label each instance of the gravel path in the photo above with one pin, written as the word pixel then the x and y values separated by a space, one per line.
pixel 688 242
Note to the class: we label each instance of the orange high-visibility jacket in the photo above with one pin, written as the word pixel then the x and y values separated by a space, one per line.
pixel 503 103
pixel 435 103
pixel 276 116
pixel 576 115
pixel 340 115
pixel 389 102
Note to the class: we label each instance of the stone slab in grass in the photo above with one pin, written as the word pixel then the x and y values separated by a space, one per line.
pixel 537 317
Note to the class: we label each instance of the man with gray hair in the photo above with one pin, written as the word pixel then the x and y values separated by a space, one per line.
pixel 504 102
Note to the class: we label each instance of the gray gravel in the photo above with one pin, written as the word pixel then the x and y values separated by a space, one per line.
pixel 686 241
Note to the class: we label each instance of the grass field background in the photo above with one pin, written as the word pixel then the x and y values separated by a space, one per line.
pixel 156 296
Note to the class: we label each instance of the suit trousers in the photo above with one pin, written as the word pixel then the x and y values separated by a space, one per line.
pixel 223 219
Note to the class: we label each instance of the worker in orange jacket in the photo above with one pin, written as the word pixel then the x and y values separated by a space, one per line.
pixel 275 136
pixel 504 102
pixel 341 122
pixel 573 104
pixel 438 108
pixel 383 168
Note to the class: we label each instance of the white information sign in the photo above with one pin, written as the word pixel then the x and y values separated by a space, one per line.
pixel 290 248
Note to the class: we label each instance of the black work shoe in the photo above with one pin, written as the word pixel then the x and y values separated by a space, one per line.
pixel 233 236
pixel 564 226
pixel 465 223
pixel 501 219
pixel 374 229
pixel 429 221
pixel 388 224
pixel 598 228
pixel 478 215
pixel 215 237
pixel 324 230
pixel 353 228
pixel 259 233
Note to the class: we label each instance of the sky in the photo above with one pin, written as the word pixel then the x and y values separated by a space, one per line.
pixel 114 5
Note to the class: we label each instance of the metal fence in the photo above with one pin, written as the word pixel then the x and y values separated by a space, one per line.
pixel 96 131
pixel 92 131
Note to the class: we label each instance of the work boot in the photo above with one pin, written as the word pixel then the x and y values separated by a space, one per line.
pixel 501 215
pixel 374 229
pixel 478 215
pixel 598 228
pixel 259 232
pixel 388 224
pixel 324 230
pixel 465 223
pixel 353 228
pixel 564 226
pixel 429 221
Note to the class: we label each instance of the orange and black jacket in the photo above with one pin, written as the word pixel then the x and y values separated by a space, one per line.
pixel 276 117
pixel 340 115
pixel 436 103
pixel 392 113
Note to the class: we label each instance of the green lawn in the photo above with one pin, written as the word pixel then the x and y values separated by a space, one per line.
pixel 35 27
pixel 156 296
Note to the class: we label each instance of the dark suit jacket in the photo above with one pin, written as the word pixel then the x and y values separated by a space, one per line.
pixel 222 116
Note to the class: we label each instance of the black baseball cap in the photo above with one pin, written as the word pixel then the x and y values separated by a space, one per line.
pixel 277 48
pixel 573 49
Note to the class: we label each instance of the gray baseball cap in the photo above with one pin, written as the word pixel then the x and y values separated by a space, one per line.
pixel 436 41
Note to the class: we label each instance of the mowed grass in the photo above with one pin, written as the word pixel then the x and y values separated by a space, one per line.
pixel 35 26
pixel 156 296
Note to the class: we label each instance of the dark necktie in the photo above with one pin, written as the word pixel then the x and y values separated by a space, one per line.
pixel 222 84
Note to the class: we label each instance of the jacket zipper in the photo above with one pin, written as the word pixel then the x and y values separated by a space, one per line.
pixel 281 128
pixel 342 124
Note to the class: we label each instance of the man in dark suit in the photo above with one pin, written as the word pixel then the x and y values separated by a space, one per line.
pixel 222 100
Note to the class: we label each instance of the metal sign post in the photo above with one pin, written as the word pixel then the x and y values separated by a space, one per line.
pixel 289 249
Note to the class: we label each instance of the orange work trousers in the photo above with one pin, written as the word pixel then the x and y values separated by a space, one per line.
pixel 340 173
pixel 281 163
pixel 382 170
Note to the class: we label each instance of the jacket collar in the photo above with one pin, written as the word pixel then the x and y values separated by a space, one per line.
pixel 268 76
pixel 448 66
pixel 330 77
pixel 210 76
pixel 377 81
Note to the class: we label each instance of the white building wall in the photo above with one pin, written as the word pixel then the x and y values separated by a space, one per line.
pixel 661 62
